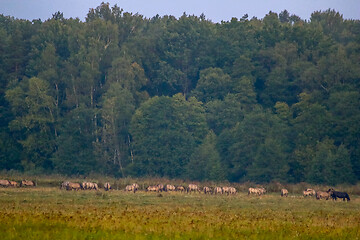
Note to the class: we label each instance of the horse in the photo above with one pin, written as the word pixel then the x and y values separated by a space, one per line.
pixel 180 189
pixel 336 194
pixel 193 188
pixel 284 192
pixel 27 183
pixel 309 192
pixel 207 190
pixel 73 186
pixel 4 183
pixel 320 195
pixel 107 186
pixel 218 190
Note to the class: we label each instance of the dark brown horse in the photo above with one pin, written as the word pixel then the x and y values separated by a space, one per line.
pixel 335 194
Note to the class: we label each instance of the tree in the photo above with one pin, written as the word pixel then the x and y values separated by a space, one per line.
pixel 270 161
pixel 75 145
pixel 284 16
pixel 129 75
pixel 225 114
pixel 312 121
pixel 259 140
pixel 205 162
pixel 116 111
pixel 33 108
pixel 213 84
pixel 165 132
pixel 330 165
pixel 344 108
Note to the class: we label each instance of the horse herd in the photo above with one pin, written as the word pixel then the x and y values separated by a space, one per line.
pixel 23 183
pixel 331 193
pixel 152 188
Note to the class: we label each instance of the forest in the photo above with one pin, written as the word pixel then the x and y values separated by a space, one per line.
pixel 272 99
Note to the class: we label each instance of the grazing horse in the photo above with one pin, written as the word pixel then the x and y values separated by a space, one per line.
pixel 258 191
pixel 89 186
pixel 309 192
pixel 193 188
pixel 4 183
pixel 161 187
pixel 73 186
pixel 253 191
pixel 180 189
pixel 232 190
pixel 207 190
pixel 226 190
pixel 169 187
pixel 85 185
pixel 218 190
pixel 284 192
pixel 262 190
pixel 64 185
pixel 320 195
pixel 136 187
pixel 132 188
pixel 107 186
pixel 336 194
pixel 27 183
pixel 13 183
pixel 153 188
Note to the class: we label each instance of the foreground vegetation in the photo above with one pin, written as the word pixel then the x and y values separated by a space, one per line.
pixel 51 213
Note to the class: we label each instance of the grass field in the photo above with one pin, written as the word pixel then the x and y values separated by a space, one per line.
pixel 51 213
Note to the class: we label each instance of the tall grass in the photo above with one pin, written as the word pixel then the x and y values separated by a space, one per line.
pixel 51 213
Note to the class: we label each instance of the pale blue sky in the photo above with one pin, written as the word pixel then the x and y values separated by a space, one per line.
pixel 213 10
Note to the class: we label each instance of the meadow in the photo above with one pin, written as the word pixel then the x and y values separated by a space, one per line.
pixel 46 212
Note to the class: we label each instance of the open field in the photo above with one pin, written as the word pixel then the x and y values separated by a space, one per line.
pixel 51 213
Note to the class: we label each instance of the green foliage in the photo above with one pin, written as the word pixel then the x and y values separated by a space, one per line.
pixel 165 133
pixel 117 109
pixel 34 118
pixel 213 84
pixel 75 153
pixel 330 164
pixel 205 162
pixel 121 94
pixel 256 148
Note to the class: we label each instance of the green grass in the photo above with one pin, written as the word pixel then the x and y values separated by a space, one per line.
pixel 50 213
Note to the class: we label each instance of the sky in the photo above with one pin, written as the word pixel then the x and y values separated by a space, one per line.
pixel 216 11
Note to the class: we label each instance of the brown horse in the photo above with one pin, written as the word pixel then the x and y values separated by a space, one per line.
pixel 193 188
pixel 309 192
pixel 218 190
pixel 284 192
pixel 107 186
pixel 320 195
pixel 169 187
pixel 73 186
pixel 180 189
pixel 27 183
pixel 4 183
pixel 207 190
pixel 153 188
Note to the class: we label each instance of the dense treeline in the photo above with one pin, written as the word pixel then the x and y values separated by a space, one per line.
pixel 249 99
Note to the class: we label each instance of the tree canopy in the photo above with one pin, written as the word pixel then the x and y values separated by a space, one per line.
pixel 272 99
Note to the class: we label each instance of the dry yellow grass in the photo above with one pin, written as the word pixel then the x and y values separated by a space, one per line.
pixel 50 213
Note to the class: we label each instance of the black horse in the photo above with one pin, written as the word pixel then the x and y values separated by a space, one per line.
pixel 336 194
